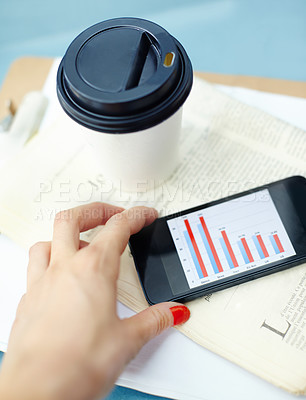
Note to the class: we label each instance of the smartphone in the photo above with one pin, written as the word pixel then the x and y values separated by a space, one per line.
pixel 227 242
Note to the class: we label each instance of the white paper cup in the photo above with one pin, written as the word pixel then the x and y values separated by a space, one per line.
pixel 125 81
pixel 139 159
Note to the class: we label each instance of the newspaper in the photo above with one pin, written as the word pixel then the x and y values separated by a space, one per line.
pixel 226 147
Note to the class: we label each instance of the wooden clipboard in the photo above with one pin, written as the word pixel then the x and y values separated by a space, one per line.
pixel 29 73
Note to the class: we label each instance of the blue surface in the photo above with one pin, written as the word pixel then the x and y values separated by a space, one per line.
pixel 121 393
pixel 248 37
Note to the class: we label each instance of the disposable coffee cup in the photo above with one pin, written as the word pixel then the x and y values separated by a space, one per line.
pixel 125 81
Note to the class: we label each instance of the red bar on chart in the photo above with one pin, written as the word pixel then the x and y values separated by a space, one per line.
pixel 278 243
pixel 229 248
pixel 247 249
pixel 195 247
pixel 262 246
pixel 211 245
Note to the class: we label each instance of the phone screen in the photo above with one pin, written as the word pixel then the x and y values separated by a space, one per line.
pixel 229 238
pixel 223 243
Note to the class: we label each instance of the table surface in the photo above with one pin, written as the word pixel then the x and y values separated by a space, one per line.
pixel 259 38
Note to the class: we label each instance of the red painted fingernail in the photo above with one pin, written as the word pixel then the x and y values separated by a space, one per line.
pixel 180 314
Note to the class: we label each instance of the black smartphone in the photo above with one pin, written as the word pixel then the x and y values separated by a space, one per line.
pixel 223 243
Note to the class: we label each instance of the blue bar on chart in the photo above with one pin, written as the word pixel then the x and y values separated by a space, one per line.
pixel 193 255
pixel 243 252
pixel 208 249
pixel 257 244
pixel 226 252
pixel 274 244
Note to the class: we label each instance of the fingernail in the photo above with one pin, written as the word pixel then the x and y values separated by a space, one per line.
pixel 180 314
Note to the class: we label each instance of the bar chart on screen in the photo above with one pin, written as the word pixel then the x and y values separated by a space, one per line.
pixel 229 238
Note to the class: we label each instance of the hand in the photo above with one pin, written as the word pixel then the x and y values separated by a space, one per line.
pixel 67 341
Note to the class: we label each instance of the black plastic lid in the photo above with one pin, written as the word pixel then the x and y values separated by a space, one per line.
pixel 123 75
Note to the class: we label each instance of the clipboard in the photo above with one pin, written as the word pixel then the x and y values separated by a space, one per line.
pixel 29 73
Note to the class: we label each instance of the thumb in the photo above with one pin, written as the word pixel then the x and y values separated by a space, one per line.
pixel 151 322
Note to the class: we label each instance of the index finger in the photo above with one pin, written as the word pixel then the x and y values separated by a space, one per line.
pixel 120 227
pixel 69 223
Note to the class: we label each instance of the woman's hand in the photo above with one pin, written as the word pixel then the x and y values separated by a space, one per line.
pixel 67 341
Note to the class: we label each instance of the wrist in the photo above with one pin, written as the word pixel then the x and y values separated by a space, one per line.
pixel 45 379
pixel 22 383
